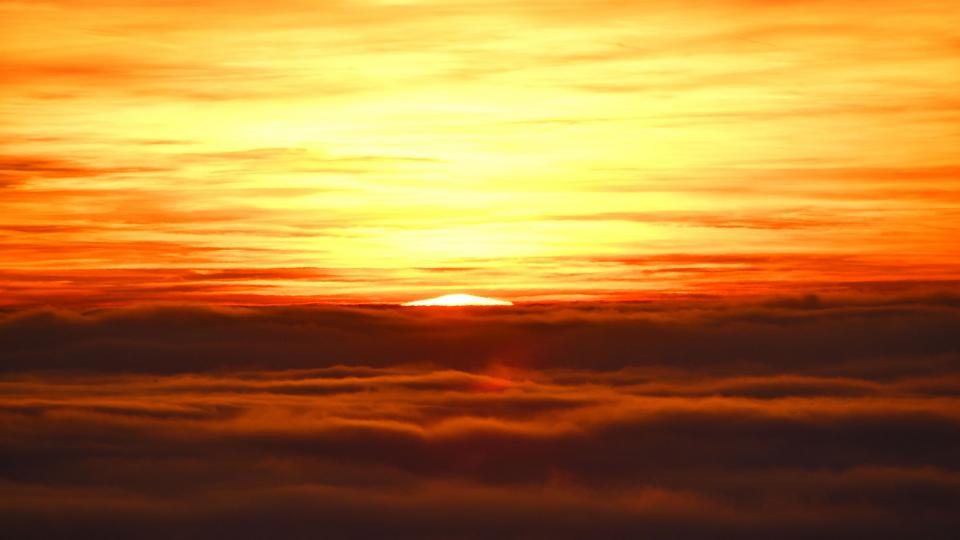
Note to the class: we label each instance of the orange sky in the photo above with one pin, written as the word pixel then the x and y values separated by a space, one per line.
pixel 294 150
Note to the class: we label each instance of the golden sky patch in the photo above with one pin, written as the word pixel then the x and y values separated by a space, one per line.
pixel 543 147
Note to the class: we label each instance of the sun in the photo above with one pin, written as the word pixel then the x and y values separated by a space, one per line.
pixel 459 300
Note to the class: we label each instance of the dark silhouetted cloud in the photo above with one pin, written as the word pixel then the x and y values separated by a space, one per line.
pixel 804 417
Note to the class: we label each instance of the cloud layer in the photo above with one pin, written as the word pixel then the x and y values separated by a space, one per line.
pixel 794 417
pixel 367 141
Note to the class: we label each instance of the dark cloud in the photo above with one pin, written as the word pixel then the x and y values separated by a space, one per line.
pixel 805 417
pixel 806 335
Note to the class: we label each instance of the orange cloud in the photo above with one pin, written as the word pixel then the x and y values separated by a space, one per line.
pixel 378 139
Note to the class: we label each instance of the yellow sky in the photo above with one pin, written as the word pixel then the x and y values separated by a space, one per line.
pixel 296 150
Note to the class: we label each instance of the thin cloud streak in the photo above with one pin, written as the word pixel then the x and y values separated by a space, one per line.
pixel 387 138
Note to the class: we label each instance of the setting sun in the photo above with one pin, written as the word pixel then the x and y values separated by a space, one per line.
pixel 459 300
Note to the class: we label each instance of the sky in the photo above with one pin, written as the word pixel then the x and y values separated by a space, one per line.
pixel 301 151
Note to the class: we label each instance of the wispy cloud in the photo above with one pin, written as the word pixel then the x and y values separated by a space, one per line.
pixel 382 138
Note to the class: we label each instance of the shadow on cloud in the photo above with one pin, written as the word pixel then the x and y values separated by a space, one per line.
pixel 793 418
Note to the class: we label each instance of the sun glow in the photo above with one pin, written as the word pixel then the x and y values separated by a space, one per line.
pixel 372 151
pixel 459 300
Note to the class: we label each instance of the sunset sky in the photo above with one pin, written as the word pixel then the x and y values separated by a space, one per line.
pixel 295 151
pixel 454 270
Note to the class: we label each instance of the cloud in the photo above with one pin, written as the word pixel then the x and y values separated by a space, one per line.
pixel 594 336
pixel 785 219
pixel 789 417
pixel 420 145
pixel 18 169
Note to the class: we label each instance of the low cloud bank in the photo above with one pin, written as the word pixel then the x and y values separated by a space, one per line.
pixel 789 335
pixel 788 418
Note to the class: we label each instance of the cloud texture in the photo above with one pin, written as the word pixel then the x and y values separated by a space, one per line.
pixel 791 418
pixel 368 140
